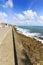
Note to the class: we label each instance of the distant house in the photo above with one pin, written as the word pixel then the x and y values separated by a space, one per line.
pixel 4 25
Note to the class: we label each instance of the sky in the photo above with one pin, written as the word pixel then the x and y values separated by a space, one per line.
pixel 22 12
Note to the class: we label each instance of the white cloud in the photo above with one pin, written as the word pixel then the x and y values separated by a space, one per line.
pixel 29 14
pixel 20 16
pixel 9 3
pixel 41 17
pixel 3 17
pixel 28 17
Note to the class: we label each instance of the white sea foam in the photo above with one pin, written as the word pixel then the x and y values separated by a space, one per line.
pixel 39 39
pixel 27 33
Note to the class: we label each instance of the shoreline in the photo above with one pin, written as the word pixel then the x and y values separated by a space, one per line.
pixel 32 47
pixel 20 32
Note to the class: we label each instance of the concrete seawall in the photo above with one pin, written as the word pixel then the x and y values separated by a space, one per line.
pixel 17 49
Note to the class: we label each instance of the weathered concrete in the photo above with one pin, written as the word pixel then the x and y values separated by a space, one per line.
pixel 6 46
pixel 17 49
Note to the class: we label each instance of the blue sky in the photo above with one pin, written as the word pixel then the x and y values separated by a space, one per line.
pixel 21 12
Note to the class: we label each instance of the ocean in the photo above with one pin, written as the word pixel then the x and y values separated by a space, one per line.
pixel 32 31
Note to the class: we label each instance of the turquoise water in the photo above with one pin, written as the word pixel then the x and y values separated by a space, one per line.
pixel 34 29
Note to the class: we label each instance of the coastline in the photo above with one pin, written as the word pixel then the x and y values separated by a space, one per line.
pixel 31 35
pixel 23 50
pixel 33 47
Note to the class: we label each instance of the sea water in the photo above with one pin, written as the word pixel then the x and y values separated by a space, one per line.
pixel 32 31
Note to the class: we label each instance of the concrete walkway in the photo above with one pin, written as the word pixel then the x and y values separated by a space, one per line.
pixel 11 49
pixel 6 47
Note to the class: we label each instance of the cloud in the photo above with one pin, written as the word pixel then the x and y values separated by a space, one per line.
pixel 28 17
pixel 8 3
pixel 29 14
pixel 3 16
pixel 20 16
pixel 41 17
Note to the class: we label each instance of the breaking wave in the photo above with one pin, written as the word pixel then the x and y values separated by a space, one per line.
pixel 27 33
